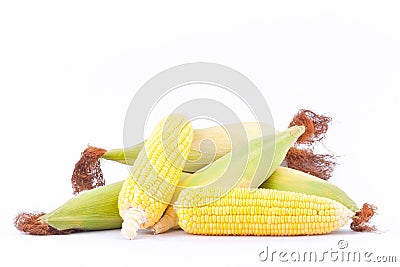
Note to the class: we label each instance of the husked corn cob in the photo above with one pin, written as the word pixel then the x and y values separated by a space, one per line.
pixel 255 155
pixel 150 186
pixel 260 213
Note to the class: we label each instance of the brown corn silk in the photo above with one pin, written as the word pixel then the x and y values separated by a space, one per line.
pixel 362 218
pixel 316 126
pixel 30 223
pixel 304 159
pixel 301 156
pixel 87 173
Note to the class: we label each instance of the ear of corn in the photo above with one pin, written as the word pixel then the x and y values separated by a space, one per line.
pixel 96 209
pixel 202 154
pixel 255 153
pixel 296 181
pixel 148 190
pixel 263 212
pixel 216 175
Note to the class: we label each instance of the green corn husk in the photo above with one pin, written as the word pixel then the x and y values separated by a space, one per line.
pixel 287 179
pixel 203 154
pixel 252 154
pixel 96 209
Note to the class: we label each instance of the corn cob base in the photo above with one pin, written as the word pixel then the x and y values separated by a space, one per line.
pixel 265 212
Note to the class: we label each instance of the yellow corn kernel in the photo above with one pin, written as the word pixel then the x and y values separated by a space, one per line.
pixel 277 219
pixel 150 186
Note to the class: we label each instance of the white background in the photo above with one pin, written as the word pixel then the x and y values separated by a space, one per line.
pixel 68 71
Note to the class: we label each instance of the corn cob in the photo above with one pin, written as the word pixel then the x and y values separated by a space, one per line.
pixel 220 138
pixel 263 212
pixel 150 186
pixel 287 179
pixel 96 209
pixel 245 176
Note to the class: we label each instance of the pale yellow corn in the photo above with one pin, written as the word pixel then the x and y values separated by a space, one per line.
pixel 150 186
pixel 260 213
